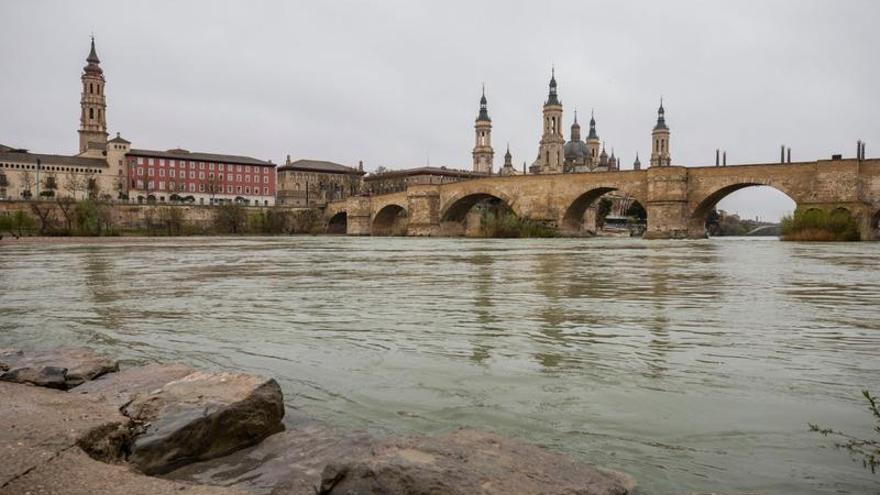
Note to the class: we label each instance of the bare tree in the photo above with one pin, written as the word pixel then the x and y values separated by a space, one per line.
pixel 74 183
pixel 50 185
pixel 45 213
pixel 65 205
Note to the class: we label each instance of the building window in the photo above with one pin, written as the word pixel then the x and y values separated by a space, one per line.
pixel 161 172
pixel 161 185
pixel 171 173
pixel 201 188
pixel 149 161
pixel 238 189
pixel 172 163
pixel 211 166
pixel 150 184
pixel 247 178
pixel 140 171
pixel 192 165
pixel 265 191
pixel 229 189
pixel 265 179
pixel 201 165
pixel 192 187
pixel 171 186
pixel 238 177
pixel 238 168
pixel 149 172
pixel 247 190
pixel 221 167
pixel 202 175
pixel 140 184
pixel 140 160
pixel 192 174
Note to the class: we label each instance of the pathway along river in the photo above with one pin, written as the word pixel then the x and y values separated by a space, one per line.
pixel 693 365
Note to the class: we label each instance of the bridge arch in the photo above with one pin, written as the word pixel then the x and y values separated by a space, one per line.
pixel 573 218
pixel 457 206
pixel 705 203
pixel 338 223
pixel 391 219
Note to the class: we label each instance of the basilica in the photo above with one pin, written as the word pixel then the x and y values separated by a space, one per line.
pixel 555 154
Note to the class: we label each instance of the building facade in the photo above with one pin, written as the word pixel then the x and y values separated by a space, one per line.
pixel 310 183
pixel 179 175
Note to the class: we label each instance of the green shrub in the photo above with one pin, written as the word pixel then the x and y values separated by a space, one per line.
pixel 508 225
pixel 819 225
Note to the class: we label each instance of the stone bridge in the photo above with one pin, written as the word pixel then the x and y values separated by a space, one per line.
pixel 677 199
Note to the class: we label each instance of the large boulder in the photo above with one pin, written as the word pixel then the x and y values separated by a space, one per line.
pixel 289 462
pixel 118 389
pixel 62 368
pixel 202 416
pixel 468 462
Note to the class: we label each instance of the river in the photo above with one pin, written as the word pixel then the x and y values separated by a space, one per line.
pixel 692 365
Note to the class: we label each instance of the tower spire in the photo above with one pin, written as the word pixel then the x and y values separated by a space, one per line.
pixel 483 152
pixel 93 105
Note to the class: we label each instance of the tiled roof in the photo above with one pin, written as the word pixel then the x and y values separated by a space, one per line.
pixel 319 166
pixel 18 157
pixel 181 154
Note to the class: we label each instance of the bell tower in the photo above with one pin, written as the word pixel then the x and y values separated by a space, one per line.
pixel 93 105
pixel 483 152
pixel 550 153
pixel 660 140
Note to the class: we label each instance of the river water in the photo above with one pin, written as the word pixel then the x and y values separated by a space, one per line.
pixel 692 365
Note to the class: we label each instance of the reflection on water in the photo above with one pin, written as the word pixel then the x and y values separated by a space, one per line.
pixel 694 366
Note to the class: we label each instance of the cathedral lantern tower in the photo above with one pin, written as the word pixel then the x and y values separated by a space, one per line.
pixel 660 141
pixel 593 143
pixel 93 116
pixel 550 153
pixel 483 152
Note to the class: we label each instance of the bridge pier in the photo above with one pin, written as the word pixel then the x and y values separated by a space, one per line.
pixel 424 211
pixel 358 209
pixel 667 205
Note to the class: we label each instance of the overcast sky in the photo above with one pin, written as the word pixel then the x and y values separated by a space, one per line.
pixel 393 83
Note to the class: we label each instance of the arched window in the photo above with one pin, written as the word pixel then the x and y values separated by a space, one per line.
pixel 91 113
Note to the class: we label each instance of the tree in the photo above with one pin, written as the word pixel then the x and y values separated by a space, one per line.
pixel 93 188
pixel 27 183
pixel 65 205
pixel 230 218
pixel 74 183
pixel 213 185
pixel 865 450
pixel 46 215
pixel 172 218
pixel 602 210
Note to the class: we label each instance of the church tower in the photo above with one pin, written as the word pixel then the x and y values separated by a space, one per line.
pixel 483 153
pixel 550 153
pixel 93 117
pixel 593 144
pixel 660 140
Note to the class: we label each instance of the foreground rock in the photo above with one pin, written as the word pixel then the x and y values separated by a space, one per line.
pixel 72 472
pixel 288 462
pixel 312 458
pixel 202 416
pixel 467 462
pixel 119 389
pixel 62 368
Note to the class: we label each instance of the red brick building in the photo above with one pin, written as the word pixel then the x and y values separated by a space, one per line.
pixel 203 178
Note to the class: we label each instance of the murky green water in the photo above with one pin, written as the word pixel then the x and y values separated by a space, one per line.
pixel 691 365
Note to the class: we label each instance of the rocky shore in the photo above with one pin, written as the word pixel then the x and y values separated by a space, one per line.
pixel 72 422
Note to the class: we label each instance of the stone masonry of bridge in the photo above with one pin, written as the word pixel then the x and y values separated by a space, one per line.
pixel 677 199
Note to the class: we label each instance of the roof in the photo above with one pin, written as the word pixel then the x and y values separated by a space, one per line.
pixel 319 166
pixel 448 172
pixel 181 154
pixel 119 139
pixel 21 157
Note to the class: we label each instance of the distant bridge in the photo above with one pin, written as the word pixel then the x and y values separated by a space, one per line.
pixel 677 199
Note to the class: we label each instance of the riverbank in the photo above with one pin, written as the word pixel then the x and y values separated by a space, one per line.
pixel 73 423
